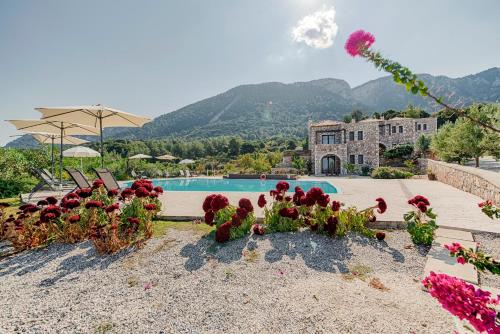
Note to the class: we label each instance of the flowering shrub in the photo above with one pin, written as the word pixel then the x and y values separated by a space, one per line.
pixel 314 210
pixel 481 261
pixel 464 301
pixel 282 215
pixel 89 213
pixel 231 222
pixel 359 44
pixel 421 221
pixel 489 209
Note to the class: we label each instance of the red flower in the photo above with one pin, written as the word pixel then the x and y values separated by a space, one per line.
pixel 242 213
pixel 273 193
pixel 336 206
pixel 219 202
pixel 246 204
pixel 97 183
pixel 331 225
pixel 282 186
pixel 142 184
pixel 288 198
pixel 153 194
pixel 158 189
pixel 133 220
pixel 307 200
pixel 262 201
pixel 323 200
pixel 236 220
pixel 209 217
pixel 291 213
pixel 93 204
pixel 74 218
pixel 380 236
pixel 70 204
pixel 113 193
pixel 112 207
pixel 315 193
pixel 26 207
pixel 84 192
pixel 127 192
pixel 150 207
pixel 51 200
pixel 421 206
pixel 42 202
pixel 418 199
pixel 72 196
pixel 207 203
pixel 223 233
pixel 372 219
pixel 32 209
pixel 49 216
pixel 382 206
pixel 258 229
pixel 298 194
pixel 279 197
pixel 141 192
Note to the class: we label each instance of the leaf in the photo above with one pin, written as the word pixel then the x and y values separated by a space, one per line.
pixel 414 90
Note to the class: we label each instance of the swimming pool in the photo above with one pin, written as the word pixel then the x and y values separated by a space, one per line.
pixel 230 185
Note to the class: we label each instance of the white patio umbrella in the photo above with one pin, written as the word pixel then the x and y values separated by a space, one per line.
pixel 186 162
pixel 94 115
pixel 81 152
pixel 46 138
pixel 140 156
pixel 166 157
pixel 60 128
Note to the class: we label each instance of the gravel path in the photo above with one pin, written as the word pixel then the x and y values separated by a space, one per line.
pixel 490 244
pixel 182 283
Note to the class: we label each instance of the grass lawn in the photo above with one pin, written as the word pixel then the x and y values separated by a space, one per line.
pixel 14 204
pixel 161 227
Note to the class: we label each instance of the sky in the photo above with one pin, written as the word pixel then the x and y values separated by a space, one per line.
pixel 151 57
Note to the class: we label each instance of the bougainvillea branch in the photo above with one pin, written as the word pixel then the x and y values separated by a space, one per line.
pixel 359 43
pixel 489 209
pixel 464 301
pixel 481 261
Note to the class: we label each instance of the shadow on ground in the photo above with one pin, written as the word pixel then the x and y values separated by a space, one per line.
pixel 319 252
pixel 34 260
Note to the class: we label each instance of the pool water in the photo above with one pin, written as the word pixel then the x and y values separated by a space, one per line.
pixel 229 185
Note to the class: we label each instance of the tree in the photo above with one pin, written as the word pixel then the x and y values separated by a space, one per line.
pixel 388 114
pixel 422 144
pixel 347 119
pixel 234 147
pixel 291 145
pixel 376 115
pixel 247 147
pixel 357 115
pixel 466 138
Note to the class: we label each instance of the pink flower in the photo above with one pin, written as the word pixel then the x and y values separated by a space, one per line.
pixel 454 247
pixel 461 259
pixel 358 42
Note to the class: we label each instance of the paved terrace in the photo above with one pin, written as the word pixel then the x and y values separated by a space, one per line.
pixel 456 209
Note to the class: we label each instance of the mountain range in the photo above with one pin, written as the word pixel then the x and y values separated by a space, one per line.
pixel 274 108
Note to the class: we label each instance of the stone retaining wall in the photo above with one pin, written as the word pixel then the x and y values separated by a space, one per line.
pixel 482 183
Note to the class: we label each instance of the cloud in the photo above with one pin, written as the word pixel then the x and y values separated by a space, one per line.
pixel 317 30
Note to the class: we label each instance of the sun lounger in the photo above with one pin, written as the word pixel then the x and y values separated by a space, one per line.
pixel 188 174
pixel 108 178
pixel 45 181
pixel 79 178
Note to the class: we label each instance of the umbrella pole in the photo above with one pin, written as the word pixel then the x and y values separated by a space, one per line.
pixel 61 156
pixel 52 158
pixel 102 145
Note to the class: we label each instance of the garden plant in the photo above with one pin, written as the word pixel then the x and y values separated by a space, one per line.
pixel 421 221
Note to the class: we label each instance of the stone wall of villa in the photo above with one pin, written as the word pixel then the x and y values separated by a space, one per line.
pixel 482 183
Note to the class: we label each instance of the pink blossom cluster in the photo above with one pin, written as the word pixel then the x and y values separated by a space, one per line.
pixel 455 248
pixel 464 301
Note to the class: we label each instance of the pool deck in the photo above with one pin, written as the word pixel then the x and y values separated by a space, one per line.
pixel 455 209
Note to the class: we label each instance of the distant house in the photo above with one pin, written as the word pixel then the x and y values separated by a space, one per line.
pixel 332 144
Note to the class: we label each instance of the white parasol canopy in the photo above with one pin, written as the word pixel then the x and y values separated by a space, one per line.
pixel 94 115
pixel 140 156
pixel 186 161
pixel 60 128
pixel 81 152
pixel 166 157
pixel 48 138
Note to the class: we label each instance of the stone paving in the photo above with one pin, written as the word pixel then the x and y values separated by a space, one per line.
pixel 456 209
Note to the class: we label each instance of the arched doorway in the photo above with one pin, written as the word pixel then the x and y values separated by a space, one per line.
pixel 330 165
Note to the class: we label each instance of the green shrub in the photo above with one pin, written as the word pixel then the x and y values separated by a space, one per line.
pixel 390 173
pixel 401 151
pixel 365 170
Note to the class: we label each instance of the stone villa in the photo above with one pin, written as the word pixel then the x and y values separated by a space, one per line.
pixel 332 144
